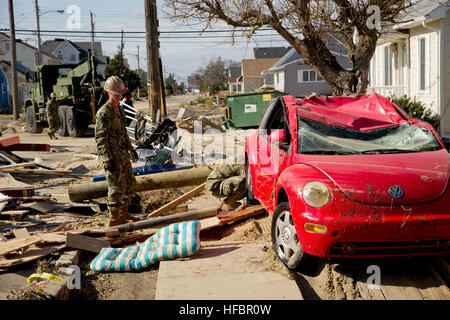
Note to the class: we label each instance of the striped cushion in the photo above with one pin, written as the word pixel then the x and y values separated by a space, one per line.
pixel 174 241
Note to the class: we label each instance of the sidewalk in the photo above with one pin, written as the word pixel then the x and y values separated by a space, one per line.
pixel 227 272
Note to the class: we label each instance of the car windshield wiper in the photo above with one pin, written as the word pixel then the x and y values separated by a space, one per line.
pixel 328 152
pixel 380 151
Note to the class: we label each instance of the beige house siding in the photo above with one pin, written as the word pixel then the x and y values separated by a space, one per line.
pixel 445 124
pixel 429 95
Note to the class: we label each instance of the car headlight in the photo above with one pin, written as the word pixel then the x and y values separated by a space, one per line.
pixel 316 194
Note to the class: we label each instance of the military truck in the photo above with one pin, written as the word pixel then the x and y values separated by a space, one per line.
pixel 78 89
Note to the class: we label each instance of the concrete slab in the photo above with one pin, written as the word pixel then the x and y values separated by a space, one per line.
pixel 232 272
pixel 13 280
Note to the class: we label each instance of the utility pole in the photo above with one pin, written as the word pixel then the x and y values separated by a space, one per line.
pixel 12 45
pixel 153 66
pixel 38 33
pixel 92 33
pixel 121 54
pixel 138 72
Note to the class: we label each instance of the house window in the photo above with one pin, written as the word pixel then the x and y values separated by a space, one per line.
pixel 387 66
pixel 72 57
pixel 239 88
pixel 278 78
pixel 422 64
pixel 233 88
pixel 308 76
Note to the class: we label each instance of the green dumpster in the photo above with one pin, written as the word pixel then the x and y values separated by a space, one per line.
pixel 247 109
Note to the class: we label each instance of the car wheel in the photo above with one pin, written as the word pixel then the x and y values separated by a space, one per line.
pixel 250 197
pixel 287 245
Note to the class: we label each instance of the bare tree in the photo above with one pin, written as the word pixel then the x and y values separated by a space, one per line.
pixel 305 25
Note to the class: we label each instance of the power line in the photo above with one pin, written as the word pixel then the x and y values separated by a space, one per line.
pixel 135 32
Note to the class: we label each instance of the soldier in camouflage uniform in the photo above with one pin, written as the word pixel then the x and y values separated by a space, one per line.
pixel 228 181
pixel 52 116
pixel 114 151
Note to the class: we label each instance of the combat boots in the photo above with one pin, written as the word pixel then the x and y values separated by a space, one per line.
pixel 126 216
pixel 115 218
pixel 52 136
pixel 228 204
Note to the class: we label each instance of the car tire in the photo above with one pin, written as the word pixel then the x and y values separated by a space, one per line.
pixel 287 246
pixel 62 131
pixel 250 196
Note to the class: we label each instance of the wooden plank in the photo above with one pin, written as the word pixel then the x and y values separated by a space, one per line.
pixel 9 184
pixel 17 244
pixel 41 206
pixel 15 215
pixel 21 233
pixel 37 171
pixel 177 201
pixel 29 147
pixel 86 243
pixel 243 214
pixel 19 165
pixel 30 255
pixel 9 141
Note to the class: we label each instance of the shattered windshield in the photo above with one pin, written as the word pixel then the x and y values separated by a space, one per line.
pixel 319 138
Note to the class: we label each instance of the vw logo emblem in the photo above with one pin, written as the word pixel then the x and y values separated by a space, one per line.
pixel 396 192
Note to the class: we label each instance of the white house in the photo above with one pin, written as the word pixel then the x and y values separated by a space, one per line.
pixel 413 59
pixel 70 52
pixel 291 75
pixel 26 54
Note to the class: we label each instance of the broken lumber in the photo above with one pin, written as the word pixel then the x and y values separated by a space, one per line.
pixel 15 215
pixel 29 255
pixel 163 180
pixel 177 201
pixel 19 165
pixel 166 220
pixel 86 243
pixel 230 217
pixel 18 243
pixel 41 206
pixel 37 171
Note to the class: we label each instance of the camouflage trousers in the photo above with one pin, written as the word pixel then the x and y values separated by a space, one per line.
pixel 53 123
pixel 121 185
pixel 233 189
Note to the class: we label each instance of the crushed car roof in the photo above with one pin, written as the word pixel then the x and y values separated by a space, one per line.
pixel 355 113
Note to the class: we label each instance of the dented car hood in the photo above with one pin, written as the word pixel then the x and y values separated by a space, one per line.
pixel 356 113
pixel 423 177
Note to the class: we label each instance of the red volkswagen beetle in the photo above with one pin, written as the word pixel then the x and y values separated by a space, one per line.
pixel 349 177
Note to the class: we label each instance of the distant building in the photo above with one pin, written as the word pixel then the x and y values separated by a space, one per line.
pixel 76 52
pixel 26 56
pixel 194 82
pixel 248 75
pixel 252 69
pixel 24 84
pixel 291 75
pixel 234 73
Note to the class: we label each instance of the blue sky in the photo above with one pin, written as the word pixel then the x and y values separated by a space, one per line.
pixel 179 56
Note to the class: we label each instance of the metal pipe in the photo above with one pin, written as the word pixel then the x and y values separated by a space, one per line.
pixel 166 220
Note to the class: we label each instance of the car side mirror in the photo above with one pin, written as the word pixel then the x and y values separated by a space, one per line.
pixel 278 136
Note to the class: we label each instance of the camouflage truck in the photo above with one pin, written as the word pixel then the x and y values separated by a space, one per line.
pixel 78 90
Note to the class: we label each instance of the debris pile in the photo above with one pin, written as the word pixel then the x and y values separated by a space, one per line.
pixel 36 225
